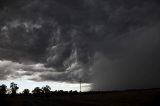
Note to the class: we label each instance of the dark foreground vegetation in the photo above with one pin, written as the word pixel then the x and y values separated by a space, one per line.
pixel 149 97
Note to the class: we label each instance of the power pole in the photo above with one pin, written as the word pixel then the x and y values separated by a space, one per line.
pixel 80 85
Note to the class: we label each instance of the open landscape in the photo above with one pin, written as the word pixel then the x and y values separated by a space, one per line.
pixel 150 97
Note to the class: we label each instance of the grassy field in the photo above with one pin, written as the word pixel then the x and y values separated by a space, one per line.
pixel 123 98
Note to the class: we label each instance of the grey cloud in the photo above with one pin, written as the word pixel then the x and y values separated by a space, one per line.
pixel 11 70
pixel 112 44
pixel 134 64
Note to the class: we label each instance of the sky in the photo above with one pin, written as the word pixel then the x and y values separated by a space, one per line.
pixel 108 45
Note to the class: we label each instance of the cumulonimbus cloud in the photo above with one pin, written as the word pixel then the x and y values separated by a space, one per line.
pixel 112 44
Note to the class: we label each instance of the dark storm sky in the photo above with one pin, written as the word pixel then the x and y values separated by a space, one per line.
pixel 114 44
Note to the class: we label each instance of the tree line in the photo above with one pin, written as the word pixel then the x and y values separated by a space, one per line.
pixel 14 88
pixel 37 90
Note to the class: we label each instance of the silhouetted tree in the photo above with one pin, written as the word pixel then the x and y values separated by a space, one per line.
pixel 3 89
pixel 37 90
pixel 46 89
pixel 70 91
pixel 26 91
pixel 14 88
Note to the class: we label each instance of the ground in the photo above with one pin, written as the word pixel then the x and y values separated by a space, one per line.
pixel 121 98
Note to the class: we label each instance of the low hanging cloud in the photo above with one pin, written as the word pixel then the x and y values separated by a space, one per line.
pixel 111 44
pixel 11 70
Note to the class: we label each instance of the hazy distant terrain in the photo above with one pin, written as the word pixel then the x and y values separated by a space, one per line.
pixel 123 98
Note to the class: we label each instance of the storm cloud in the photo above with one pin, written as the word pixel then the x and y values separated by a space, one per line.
pixel 111 44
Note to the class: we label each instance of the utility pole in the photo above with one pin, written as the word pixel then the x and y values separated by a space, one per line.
pixel 80 85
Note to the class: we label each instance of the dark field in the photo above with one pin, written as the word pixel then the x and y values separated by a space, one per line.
pixel 123 98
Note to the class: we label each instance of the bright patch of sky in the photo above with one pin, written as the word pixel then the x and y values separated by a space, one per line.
pixel 28 84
